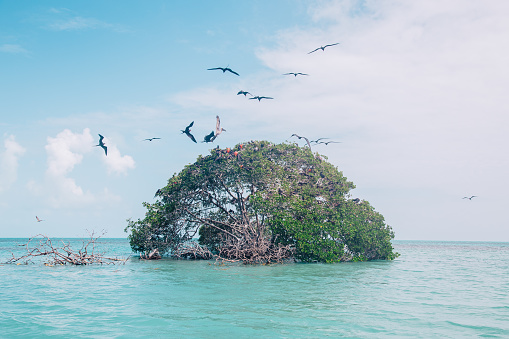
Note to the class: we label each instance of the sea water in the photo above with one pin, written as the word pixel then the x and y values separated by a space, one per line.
pixel 433 290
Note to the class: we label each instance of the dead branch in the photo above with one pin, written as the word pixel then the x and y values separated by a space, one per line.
pixel 41 246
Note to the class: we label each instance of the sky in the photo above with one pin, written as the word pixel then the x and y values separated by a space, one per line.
pixel 415 91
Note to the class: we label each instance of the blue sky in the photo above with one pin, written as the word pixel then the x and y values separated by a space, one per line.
pixel 416 93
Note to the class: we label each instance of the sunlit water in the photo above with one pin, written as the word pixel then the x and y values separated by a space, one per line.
pixel 433 290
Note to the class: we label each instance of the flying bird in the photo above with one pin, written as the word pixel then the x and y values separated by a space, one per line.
pixel 317 140
pixel 150 139
pixel 244 92
pixel 187 132
pixel 209 137
pixel 323 47
pixel 224 69
pixel 293 73
pixel 298 136
pixel 102 145
pixel 328 142
pixel 219 129
pixel 260 98
pixel 38 220
pixel 470 198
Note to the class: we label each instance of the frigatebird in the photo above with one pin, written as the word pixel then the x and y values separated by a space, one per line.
pixel 328 142
pixel 224 69
pixel 187 132
pixel 244 92
pixel 102 145
pixel 470 198
pixel 298 136
pixel 209 137
pixel 260 98
pixel 219 129
pixel 150 139
pixel 323 47
pixel 38 220
pixel 293 73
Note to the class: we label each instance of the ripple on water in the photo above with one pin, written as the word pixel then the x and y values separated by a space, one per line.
pixel 435 289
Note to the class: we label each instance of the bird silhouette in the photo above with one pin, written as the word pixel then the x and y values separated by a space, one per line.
pixel 209 137
pixel 323 47
pixel 292 73
pixel 317 140
pixel 150 139
pixel 219 129
pixel 470 198
pixel 298 136
pixel 102 145
pixel 260 98
pixel 38 220
pixel 187 132
pixel 244 92
pixel 224 69
pixel 328 142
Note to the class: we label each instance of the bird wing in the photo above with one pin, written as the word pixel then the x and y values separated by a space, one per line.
pixel 288 73
pixel 105 149
pixel 266 98
pixel 191 136
pixel 302 73
pixel 188 127
pixel 314 50
pixel 212 69
pixel 231 71
pixel 218 125
pixel 337 43
pixel 256 97
pixel 100 139
pixel 241 92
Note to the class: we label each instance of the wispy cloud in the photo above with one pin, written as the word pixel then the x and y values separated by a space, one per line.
pixel 11 48
pixel 9 162
pixel 80 23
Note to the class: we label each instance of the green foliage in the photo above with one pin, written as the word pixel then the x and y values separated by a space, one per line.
pixel 259 200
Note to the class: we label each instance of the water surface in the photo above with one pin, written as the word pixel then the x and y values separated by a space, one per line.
pixel 433 290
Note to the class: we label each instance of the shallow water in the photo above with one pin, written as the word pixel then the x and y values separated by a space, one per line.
pixel 433 290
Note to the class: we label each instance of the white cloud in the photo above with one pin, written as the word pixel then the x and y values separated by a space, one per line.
pixel 115 162
pixel 10 48
pixel 9 162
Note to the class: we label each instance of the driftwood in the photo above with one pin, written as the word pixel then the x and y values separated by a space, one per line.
pixel 192 250
pixel 152 255
pixel 42 246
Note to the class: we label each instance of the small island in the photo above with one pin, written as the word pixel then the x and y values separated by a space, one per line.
pixel 261 203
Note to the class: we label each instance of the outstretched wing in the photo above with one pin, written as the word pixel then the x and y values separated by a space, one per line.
pixel 212 69
pixel 337 43
pixel 314 50
pixel 232 71
pixel 191 136
pixel 266 98
pixel 105 150
pixel 101 139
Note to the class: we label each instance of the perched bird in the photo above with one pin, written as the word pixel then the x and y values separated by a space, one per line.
pixel 219 129
pixel 292 73
pixel 187 132
pixel 323 47
pixel 470 198
pixel 150 139
pixel 38 220
pixel 102 145
pixel 298 136
pixel 209 137
pixel 224 69
pixel 244 92
pixel 260 98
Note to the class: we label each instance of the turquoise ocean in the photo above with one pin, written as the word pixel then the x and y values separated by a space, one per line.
pixel 433 290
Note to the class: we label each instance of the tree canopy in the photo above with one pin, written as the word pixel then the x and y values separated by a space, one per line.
pixel 259 203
